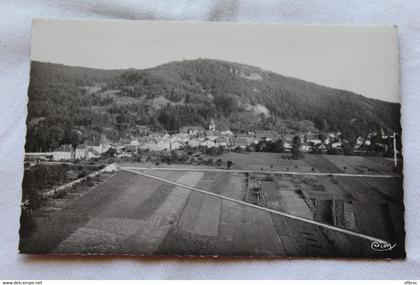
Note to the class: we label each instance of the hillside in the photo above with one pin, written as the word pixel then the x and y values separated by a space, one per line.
pixel 239 97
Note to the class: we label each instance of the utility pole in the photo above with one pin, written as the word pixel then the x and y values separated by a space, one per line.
pixel 395 151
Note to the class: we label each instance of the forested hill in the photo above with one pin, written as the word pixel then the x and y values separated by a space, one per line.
pixel 191 92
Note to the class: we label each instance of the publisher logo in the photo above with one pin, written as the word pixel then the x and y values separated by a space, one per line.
pixel 382 246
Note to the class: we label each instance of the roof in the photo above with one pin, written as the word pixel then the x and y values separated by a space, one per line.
pixel 208 142
pixel 241 141
pixel 64 147
pixel 92 150
pixel 266 133
pixel 94 141
pixel 192 128
pixel 222 140
pixel 124 141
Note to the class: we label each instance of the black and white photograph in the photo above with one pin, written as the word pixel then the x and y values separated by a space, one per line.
pixel 213 139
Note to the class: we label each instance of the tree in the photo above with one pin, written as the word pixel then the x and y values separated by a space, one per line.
pixel 111 152
pixel 75 138
pixel 277 146
pixel 296 152
pixel 229 164
pixel 55 135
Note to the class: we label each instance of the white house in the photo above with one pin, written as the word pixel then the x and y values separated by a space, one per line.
pixel 314 141
pixel 208 143
pixel 152 146
pixel 63 153
pixel 91 153
pixel 223 142
pixel 305 147
pixel 97 145
pixel 287 146
pixel 80 153
pixel 336 145
pixel 176 145
pixel 226 133
pixel 134 142
pixel 194 142
pixel 212 138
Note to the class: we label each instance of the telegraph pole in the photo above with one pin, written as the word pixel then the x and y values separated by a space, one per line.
pixel 395 151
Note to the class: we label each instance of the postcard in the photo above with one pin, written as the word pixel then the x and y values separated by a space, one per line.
pixel 213 139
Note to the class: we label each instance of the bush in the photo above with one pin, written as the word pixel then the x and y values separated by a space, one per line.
pixel 219 162
pixel 82 174
pixel 229 164
pixel 60 194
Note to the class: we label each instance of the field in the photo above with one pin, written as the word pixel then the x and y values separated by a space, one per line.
pixel 135 214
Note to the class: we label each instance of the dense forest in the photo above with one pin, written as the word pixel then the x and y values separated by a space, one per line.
pixel 191 92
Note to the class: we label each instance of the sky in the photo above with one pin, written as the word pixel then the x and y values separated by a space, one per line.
pixel 364 60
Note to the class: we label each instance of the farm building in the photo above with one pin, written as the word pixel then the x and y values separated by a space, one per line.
pixel 63 153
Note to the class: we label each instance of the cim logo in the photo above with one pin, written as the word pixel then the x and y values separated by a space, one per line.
pixel 382 246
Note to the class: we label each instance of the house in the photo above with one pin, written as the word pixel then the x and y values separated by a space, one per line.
pixel 305 147
pixel 124 141
pixel 92 153
pixel 64 152
pixel 337 145
pixel 322 148
pixel 226 133
pixel 212 138
pixel 38 155
pixel 193 130
pixel 155 137
pixel 132 148
pixel 97 143
pixel 266 134
pixel 359 141
pixel 81 152
pixel 208 143
pixel 134 142
pixel 223 142
pixel 287 146
pixel 164 145
pixel 314 141
pixel 124 154
pixel 181 137
pixel 143 130
pixel 311 136
pixel 194 142
pixel 152 146
pixel 175 144
pixel 242 141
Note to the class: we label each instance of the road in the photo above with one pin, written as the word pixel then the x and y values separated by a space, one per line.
pixel 339 174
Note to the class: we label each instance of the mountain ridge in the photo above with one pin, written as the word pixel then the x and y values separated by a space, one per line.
pixel 238 96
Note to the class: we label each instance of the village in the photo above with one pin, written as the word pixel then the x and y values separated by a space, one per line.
pixel 199 138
